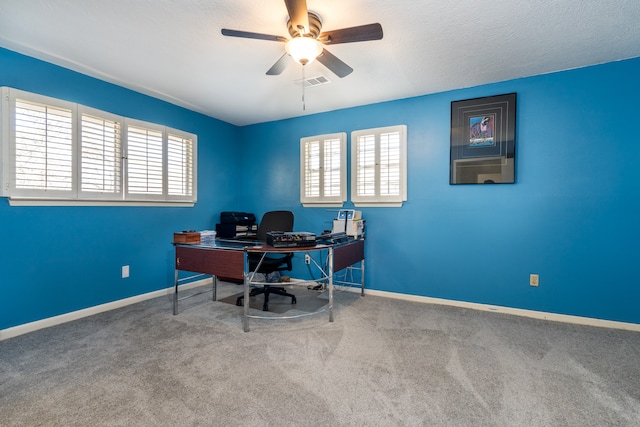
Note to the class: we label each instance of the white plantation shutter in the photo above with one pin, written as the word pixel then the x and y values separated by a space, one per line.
pixel 100 155
pixel 379 163
pixel 144 161
pixel 366 165
pixel 333 167
pixel 311 169
pixel 43 150
pixel 323 170
pixel 180 166
pixel 390 164
pixel 160 163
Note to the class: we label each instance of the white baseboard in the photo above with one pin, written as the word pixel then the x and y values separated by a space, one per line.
pixel 67 317
pixel 565 318
pixel 74 315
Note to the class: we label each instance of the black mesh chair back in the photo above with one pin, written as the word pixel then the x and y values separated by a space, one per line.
pixel 274 221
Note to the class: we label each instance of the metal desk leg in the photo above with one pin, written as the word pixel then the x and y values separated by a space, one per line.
pixel 215 287
pixel 175 294
pixel 362 277
pixel 245 302
pixel 331 284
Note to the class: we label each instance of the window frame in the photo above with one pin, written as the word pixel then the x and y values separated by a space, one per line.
pixel 378 200
pixel 76 196
pixel 322 200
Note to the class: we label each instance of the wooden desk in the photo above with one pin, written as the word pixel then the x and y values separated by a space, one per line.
pixel 229 260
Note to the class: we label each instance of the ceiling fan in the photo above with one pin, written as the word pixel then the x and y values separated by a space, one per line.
pixel 305 44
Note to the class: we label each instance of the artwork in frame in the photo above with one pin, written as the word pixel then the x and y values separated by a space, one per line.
pixel 483 140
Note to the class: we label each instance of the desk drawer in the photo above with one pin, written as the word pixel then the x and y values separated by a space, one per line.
pixel 349 254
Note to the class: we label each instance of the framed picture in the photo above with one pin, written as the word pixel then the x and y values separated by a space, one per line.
pixel 483 140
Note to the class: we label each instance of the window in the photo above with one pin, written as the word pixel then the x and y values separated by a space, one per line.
pixel 56 150
pixel 323 169
pixel 379 166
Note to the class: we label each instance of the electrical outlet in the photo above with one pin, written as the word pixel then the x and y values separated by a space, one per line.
pixel 125 271
pixel 534 280
pixel 307 259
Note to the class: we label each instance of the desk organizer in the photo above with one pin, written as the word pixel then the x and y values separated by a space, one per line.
pixel 187 238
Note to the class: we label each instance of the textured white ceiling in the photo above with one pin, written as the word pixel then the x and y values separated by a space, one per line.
pixel 173 49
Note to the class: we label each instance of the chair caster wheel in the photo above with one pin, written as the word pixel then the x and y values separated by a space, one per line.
pixel 239 302
pixel 293 300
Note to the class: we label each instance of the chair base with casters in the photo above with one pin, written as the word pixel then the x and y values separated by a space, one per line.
pixel 267 290
pixel 266 265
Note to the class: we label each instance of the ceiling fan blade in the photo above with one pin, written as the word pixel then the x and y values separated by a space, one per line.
pixel 248 35
pixel 352 34
pixel 280 65
pixel 298 15
pixel 332 62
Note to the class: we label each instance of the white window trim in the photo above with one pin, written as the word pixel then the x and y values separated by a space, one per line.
pixel 324 201
pixel 378 200
pixel 75 196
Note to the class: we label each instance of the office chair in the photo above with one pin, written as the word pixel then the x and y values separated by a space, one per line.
pixel 271 221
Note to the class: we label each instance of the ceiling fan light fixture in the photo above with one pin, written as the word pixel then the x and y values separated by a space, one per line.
pixel 304 50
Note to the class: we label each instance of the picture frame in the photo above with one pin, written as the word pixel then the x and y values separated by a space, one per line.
pixel 483 144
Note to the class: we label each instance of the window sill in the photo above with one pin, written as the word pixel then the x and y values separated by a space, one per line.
pixel 133 203
pixel 323 205
pixel 377 204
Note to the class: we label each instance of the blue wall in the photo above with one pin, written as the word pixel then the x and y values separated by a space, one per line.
pixel 571 217
pixel 56 260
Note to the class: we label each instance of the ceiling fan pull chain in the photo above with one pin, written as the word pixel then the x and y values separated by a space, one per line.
pixel 304 107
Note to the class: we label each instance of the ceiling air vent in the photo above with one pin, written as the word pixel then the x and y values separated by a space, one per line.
pixel 313 81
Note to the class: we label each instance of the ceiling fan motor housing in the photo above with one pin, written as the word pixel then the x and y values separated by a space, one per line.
pixel 315 26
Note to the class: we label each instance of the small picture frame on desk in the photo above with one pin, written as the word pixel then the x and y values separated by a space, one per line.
pixel 483 141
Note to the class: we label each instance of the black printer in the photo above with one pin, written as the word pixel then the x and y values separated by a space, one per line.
pixel 236 224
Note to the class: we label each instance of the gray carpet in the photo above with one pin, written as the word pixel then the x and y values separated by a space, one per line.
pixel 382 362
